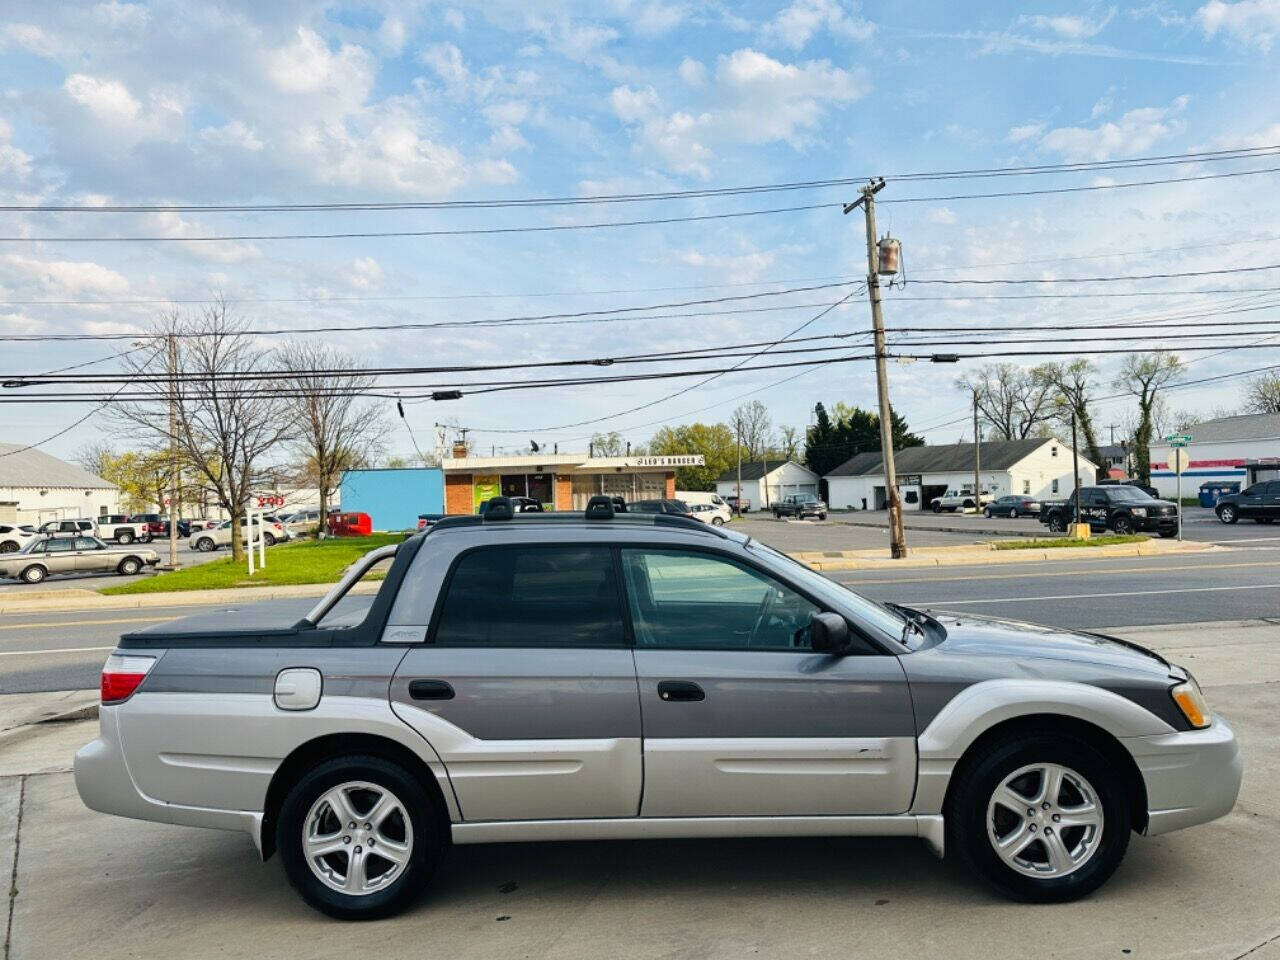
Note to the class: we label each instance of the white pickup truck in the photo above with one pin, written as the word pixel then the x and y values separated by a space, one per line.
pixel 961 499
pixel 120 528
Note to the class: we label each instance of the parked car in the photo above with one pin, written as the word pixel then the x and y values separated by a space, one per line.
pixel 800 505
pixel 427 519
pixel 1121 508
pixel 220 536
pixel 301 522
pixel 771 701
pixel 66 554
pixel 710 513
pixel 82 527
pixel 121 528
pixel 159 529
pixel 201 523
pixel 518 504
pixel 738 507
pixel 676 508
pixel 1012 505
pixel 1259 502
pixel 959 499
pixel 1150 491
pixel 13 539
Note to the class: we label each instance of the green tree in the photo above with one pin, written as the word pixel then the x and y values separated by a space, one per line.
pixel 830 441
pixel 608 444
pixel 713 440
pixel 1144 375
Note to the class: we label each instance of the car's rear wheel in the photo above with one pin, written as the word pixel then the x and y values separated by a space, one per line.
pixel 206 545
pixel 144 538
pixel 9 546
pixel 986 512
pixel 1228 513
pixel 1057 524
pixel 717 521
pixel 1013 513
pixel 937 507
pixel 1041 818
pixel 822 516
pixel 269 540
pixel 129 566
pixel 34 574
pixel 359 837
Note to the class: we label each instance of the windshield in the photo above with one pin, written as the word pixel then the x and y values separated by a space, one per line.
pixel 1129 494
pixel 888 622
pixel 806 498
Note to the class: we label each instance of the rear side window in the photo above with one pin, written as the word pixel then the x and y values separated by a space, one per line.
pixel 534 596
pixel 64 545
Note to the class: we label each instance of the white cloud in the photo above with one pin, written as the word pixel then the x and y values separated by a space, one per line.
pixel 794 26
pixel 365 273
pixel 13 161
pixel 1134 133
pixel 67 277
pixel 1070 26
pixel 1102 106
pixel 173 225
pixel 29 37
pixel 123 115
pixel 754 99
pixel 506 112
pixel 657 18
pixel 121 16
pixel 393 34
pixel 308 67
pixel 1028 131
pixel 736 268
pixel 1251 22
pixel 942 215
pixel 233 134
pixel 693 72
pixel 455 19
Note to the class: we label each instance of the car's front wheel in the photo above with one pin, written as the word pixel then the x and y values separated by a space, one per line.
pixel 1041 818
pixel 717 521
pixel 937 507
pixel 206 545
pixel 1228 514
pixel 129 566
pixel 1122 525
pixel 359 837
pixel 1013 513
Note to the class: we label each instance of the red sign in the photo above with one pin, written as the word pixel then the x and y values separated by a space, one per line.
pixel 270 501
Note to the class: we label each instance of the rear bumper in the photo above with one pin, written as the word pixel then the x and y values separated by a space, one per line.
pixel 1191 777
pixel 104 784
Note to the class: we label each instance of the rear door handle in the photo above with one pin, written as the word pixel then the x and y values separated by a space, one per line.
pixel 680 690
pixel 430 690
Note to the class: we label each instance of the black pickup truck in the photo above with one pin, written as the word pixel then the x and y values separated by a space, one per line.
pixel 1122 509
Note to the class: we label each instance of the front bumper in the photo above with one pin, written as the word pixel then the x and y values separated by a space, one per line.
pixel 1191 777
pixel 1155 523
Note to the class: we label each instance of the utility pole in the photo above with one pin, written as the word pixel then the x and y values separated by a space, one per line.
pixel 738 444
pixel 1075 470
pixel 977 458
pixel 173 450
pixel 897 537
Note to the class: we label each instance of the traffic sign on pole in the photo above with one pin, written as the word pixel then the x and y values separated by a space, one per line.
pixel 1178 439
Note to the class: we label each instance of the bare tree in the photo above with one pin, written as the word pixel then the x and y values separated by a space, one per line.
pixel 1144 375
pixel 752 425
pixel 788 443
pixel 608 444
pixel 1262 394
pixel 229 419
pixel 336 428
pixel 1011 399
pixel 1071 385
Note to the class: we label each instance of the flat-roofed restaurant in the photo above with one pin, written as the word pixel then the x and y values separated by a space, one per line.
pixel 561 481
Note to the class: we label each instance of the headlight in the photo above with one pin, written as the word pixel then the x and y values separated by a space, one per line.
pixel 1139 511
pixel 1192 704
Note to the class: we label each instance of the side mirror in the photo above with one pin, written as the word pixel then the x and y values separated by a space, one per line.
pixel 828 632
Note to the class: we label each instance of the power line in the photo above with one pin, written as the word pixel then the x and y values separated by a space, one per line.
pixel 1240 153
pixel 1181 274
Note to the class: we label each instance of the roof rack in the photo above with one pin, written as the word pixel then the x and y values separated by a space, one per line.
pixel 595 513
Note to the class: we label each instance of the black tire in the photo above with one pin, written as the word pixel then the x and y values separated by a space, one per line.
pixel 1057 524
pixel 144 538
pixel 937 507
pixel 428 823
pixel 822 516
pixel 969 827
pixel 717 521
pixel 129 566
pixel 1227 513
pixel 34 574
pixel 966 504
pixel 1013 513
pixel 1122 525
pixel 269 540
pixel 124 537
pixel 9 546
pixel 206 545
pixel 1166 534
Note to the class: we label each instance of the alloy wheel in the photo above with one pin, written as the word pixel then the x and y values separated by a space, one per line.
pixel 357 838
pixel 1045 821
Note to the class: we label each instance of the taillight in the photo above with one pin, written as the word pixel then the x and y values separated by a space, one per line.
pixel 122 674
pixel 422 523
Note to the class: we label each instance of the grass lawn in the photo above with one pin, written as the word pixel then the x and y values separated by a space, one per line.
pixel 303 561
pixel 1068 542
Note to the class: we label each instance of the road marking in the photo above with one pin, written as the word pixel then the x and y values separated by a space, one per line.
pixel 1059 573
pixel 1093 596
pixel 84 623
pixel 37 653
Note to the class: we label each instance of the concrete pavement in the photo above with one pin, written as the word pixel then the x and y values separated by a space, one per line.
pixel 1207 892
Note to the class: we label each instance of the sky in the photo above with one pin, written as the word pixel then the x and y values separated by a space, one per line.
pixel 197 102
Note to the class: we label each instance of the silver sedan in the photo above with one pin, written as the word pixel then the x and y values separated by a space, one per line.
pixel 40 558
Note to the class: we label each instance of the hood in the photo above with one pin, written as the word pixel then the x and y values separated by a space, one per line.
pixel 1019 641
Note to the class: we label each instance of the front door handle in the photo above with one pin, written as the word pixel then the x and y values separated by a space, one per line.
pixel 680 690
pixel 430 690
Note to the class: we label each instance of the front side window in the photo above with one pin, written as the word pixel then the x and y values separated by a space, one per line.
pixel 533 596
pixel 691 600
pixel 1055 484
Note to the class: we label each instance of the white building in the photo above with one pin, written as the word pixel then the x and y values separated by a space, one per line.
pixel 1034 467
pixel 1228 448
pixel 766 483
pixel 37 487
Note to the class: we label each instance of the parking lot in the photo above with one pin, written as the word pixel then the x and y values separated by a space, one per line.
pixel 1209 891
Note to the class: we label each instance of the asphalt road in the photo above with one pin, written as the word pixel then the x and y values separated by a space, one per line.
pixel 64 651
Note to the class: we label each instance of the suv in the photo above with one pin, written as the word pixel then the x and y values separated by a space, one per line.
pixel 13 539
pixel 677 508
pixel 1259 502
pixel 69 528
pixel 535 677
pixel 800 505
pixel 961 499
pixel 1121 508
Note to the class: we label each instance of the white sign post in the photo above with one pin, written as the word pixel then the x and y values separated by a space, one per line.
pixel 1178 463
pixel 260 541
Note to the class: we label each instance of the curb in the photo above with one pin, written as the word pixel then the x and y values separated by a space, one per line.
pixel 80 600
pixel 976 531
pixel 973 555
